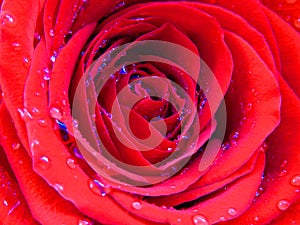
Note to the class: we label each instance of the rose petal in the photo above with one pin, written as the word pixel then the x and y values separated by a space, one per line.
pixel 46 205
pixel 14 64
pixel 261 118
pixel 196 191
pixel 73 180
pixel 288 41
pixel 285 137
pixel 290 216
pixel 212 208
pixel 14 209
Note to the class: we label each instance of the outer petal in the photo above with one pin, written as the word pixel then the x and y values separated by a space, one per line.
pixel 16 44
pixel 46 205
pixel 284 145
pixel 288 41
pixel 13 208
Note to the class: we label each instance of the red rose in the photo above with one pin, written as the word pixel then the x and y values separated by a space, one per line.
pixel 169 112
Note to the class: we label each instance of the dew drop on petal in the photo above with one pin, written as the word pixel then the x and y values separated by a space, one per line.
pixel 256 219
pixel 34 144
pixel 58 187
pixel 42 123
pixel 55 113
pixel 46 74
pixel 44 163
pixel 284 163
pixel 77 153
pixel 98 188
pixel 297 22
pixel 15 146
pixel 7 19
pixel 71 163
pixel 17 46
pixel 37 36
pixel 295 181
pixel 51 33
pixel 75 123
pixel 136 205
pixel 282 173
pixel 200 220
pixel 53 58
pixel 283 205
pixel 225 145
pixel 172 186
pixel 232 212
pixel 26 61
pixel 222 218
pixel 85 222
pixel 35 111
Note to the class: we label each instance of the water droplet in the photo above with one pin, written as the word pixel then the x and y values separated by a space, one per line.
pixel 46 74
pixel 284 163
pixel 58 187
pixel 282 173
pixel 295 181
pixel 235 135
pixel 17 46
pixel 225 145
pixel 103 43
pixel 283 205
pixel 37 36
pixel 222 218
pixel 200 220
pixel 35 111
pixel 85 222
pixel 44 163
pixel 98 187
pixel 55 113
pixel 75 123
pixel 26 61
pixel 42 123
pixel 7 19
pixel 77 153
pixel 51 33
pixel 119 6
pixel 15 146
pixel 136 205
pixel 297 22
pixel 71 163
pixel 123 70
pixel 172 186
pixel 53 58
pixel 109 115
pixel 256 219
pixel 232 212
pixel 291 1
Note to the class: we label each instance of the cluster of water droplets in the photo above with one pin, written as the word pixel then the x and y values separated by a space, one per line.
pixel 77 8
pixel 11 198
pixel 7 19
pixel 294 20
